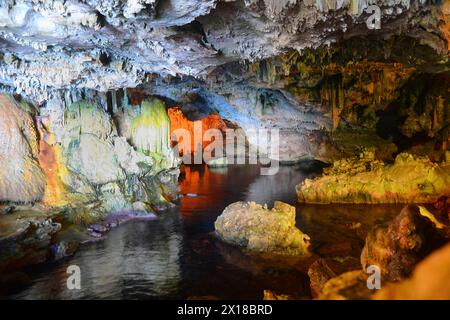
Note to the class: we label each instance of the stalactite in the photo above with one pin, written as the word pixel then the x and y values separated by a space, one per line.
pixel 151 129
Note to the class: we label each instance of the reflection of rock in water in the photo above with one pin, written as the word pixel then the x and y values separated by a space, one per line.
pixel 266 189
pixel 280 273
pixel 138 259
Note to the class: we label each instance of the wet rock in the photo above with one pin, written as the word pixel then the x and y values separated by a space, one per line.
pixel 442 206
pixel 257 228
pixel 429 280
pixel 319 273
pixel 140 206
pixel 28 244
pixel 322 270
pixel 398 246
pixel 348 286
pixel 96 235
pixel 270 295
pixel 113 198
pixel 64 249
pixel 98 228
pixel 7 210
pixel 409 180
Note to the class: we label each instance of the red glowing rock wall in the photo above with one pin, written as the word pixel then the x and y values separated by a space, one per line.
pixel 179 121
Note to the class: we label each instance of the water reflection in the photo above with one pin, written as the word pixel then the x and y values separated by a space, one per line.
pixel 137 260
pixel 267 189
pixel 175 256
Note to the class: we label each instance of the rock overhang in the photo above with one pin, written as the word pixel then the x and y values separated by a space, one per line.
pixel 106 45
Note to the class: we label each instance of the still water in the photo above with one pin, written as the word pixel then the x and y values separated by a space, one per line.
pixel 176 257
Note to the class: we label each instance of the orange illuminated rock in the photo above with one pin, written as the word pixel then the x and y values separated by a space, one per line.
pixel 50 161
pixel 429 280
pixel 179 121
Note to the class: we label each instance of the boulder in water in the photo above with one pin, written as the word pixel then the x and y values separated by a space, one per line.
pixel 257 228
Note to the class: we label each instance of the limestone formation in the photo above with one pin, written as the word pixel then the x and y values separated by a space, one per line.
pixel 365 180
pixel 397 247
pixel 400 248
pixel 119 43
pixel 351 285
pixel 21 177
pixel 256 228
pixel 77 159
pixel 429 280
pixel 27 244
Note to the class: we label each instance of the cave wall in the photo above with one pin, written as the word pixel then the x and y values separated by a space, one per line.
pixel 72 156
pixel 311 69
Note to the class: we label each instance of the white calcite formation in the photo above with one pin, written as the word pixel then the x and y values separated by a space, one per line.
pixel 106 44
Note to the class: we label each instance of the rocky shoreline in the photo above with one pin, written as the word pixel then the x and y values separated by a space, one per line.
pixel 406 246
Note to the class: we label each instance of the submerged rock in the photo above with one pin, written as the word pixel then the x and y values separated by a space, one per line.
pixel 409 180
pixel 256 228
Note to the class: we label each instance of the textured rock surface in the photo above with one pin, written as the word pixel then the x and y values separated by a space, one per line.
pixel 429 281
pixel 323 270
pixel 409 242
pixel 396 248
pixel 81 164
pixel 114 44
pixel 21 178
pixel 27 243
pixel 351 285
pixel 256 228
pixel 240 57
pixel 365 180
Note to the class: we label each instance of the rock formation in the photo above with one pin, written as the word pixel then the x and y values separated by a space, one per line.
pixel 303 67
pixel 81 158
pixel 404 250
pixel 27 244
pixel 366 180
pixel 21 177
pixel 91 92
pixel 399 246
pixel 256 228
pixel 429 280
